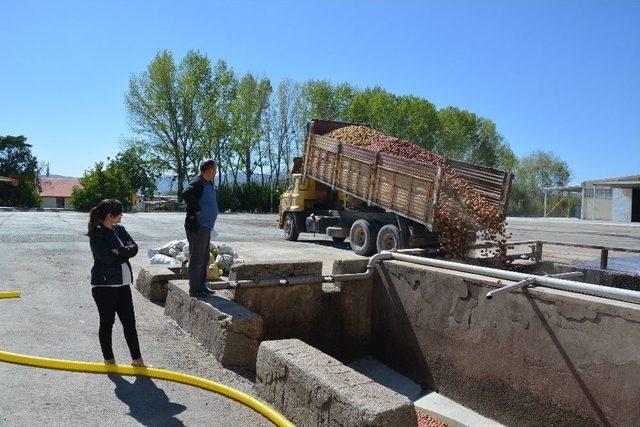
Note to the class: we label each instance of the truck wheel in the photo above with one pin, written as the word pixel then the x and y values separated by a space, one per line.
pixel 291 229
pixel 362 237
pixel 339 239
pixel 389 238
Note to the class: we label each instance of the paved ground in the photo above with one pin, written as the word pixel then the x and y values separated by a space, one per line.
pixel 46 256
pixel 581 232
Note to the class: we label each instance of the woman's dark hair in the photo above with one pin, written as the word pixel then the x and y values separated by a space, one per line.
pixel 99 213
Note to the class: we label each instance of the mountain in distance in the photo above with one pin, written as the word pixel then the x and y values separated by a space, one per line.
pixel 52 175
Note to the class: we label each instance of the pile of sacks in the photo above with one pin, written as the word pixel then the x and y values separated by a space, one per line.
pixel 169 254
pixel 176 252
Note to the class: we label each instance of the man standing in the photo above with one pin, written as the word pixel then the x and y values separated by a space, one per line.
pixel 202 211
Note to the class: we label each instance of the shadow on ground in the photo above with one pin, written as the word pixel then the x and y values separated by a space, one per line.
pixel 148 404
pixel 327 243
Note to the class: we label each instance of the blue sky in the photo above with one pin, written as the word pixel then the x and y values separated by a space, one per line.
pixel 554 75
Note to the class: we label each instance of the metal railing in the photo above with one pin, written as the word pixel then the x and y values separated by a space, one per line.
pixel 537 250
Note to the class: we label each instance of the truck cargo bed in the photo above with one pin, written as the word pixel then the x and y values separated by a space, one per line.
pixel 395 184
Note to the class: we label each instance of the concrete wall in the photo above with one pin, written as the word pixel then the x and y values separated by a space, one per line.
pixel 227 329
pixel 621 204
pixel 314 389
pixel 50 202
pixel 335 319
pixel 602 209
pixel 536 358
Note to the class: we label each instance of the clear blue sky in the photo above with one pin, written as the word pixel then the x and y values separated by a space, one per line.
pixel 554 75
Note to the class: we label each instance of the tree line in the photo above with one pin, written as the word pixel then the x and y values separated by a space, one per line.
pixel 182 112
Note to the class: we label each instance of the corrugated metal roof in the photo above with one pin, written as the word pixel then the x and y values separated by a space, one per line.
pixel 608 181
pixel 630 184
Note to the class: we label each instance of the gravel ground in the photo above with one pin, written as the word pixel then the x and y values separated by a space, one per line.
pixel 46 256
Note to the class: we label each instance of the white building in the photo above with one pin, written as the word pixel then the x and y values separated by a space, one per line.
pixel 55 192
pixel 613 199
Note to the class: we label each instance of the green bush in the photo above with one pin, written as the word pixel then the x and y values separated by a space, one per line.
pixel 102 183
pixel 248 197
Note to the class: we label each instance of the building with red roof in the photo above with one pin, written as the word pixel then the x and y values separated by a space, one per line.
pixel 56 192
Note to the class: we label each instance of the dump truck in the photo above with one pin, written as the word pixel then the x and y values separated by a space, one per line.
pixel 378 200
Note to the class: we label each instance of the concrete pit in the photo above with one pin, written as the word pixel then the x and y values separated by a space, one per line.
pixel 527 357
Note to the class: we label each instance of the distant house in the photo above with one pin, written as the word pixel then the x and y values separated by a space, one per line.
pixel 56 192
pixel 612 199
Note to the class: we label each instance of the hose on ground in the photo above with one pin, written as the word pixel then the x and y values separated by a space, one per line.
pixel 10 294
pixel 161 374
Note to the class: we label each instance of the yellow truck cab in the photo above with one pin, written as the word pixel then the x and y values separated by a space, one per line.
pixel 298 192
pixel 304 195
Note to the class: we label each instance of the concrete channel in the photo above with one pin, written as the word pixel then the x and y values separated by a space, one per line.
pixel 536 355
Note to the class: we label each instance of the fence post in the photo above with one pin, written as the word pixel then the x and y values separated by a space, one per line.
pixel 604 258
pixel 538 252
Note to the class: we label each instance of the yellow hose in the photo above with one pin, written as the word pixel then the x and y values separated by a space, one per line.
pixel 100 368
pixel 10 294
pixel 161 374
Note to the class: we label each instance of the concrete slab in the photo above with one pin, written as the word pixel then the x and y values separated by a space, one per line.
pixel 312 388
pixel 228 330
pixel 382 374
pixel 431 403
pixel 274 270
pixel 452 413
pixel 153 279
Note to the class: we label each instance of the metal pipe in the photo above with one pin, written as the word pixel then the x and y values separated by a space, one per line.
pixel 550 282
pixel 304 280
pixel 566 275
pixel 521 284
pixel 547 281
pixel 371 265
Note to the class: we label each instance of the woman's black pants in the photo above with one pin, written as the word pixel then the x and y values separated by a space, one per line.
pixel 112 300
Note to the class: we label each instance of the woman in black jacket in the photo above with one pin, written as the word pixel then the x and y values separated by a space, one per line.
pixel 111 276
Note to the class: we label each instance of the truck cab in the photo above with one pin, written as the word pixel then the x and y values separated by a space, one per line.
pixel 304 201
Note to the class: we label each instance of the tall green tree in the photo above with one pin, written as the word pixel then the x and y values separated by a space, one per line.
pixel 248 110
pixel 101 182
pixel 141 171
pixel 217 128
pixel 406 117
pixel 17 161
pixel 534 172
pixel 374 107
pixel 323 100
pixel 168 108
pixel 465 136
pixel 283 132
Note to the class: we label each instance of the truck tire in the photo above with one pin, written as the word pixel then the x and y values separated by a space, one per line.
pixel 291 227
pixel 362 237
pixel 389 238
